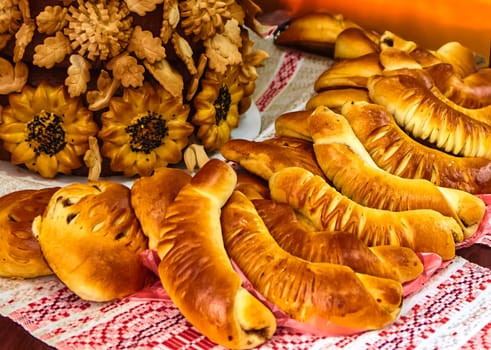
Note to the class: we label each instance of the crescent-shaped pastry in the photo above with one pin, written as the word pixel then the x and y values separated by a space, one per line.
pixel 195 269
pixel 263 158
pixel 354 42
pixel 425 117
pixel 92 240
pixel 350 72
pixel 423 230
pixel 293 124
pixel 396 152
pixel 336 98
pixel 152 195
pixel 298 237
pixel 321 295
pixel 20 253
pixel 351 170
pixel 251 185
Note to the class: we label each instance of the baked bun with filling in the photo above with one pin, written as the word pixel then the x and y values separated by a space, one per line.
pixel 20 253
pixel 92 240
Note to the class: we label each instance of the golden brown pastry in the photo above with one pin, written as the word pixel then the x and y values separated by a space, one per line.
pixel 195 269
pixel 352 172
pixel 263 158
pixel 251 185
pixel 92 240
pixel 396 152
pixel 152 195
pixel 297 236
pixel 425 117
pixel 423 230
pixel 20 253
pixel 317 294
pixel 336 98
pixel 293 124
pixel 354 42
pixel 352 72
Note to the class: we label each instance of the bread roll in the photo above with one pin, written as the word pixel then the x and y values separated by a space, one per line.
pixel 351 170
pixel 92 240
pixel 251 185
pixel 263 158
pixel 396 152
pixel 195 269
pixel 354 42
pixel 352 72
pixel 293 124
pixel 320 295
pixel 423 230
pixel 336 98
pixel 20 252
pixel 296 235
pixel 152 195
pixel 425 117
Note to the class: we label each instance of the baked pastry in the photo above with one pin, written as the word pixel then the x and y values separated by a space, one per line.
pixel 263 158
pixel 46 130
pixel 425 117
pixel 152 195
pixel 195 269
pixel 354 42
pixel 144 129
pixel 350 72
pixel 293 124
pixel 335 99
pixel 423 230
pixel 92 240
pixel 396 152
pixel 20 252
pixel 295 234
pixel 251 185
pixel 353 173
pixel 323 296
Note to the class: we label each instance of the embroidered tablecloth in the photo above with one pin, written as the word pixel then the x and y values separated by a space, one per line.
pixel 452 310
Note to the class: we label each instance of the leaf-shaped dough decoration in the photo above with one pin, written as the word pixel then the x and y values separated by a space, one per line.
pixel 12 78
pixel 126 69
pixel 141 7
pixel 78 75
pixel 146 46
pixel 53 50
pixel 106 87
pixel 167 76
pixel 22 38
pixel 51 19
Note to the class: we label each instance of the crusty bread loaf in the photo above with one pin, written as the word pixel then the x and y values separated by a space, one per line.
pixel 20 253
pixel 297 236
pixel 423 230
pixel 152 195
pixel 425 117
pixel 317 294
pixel 396 152
pixel 350 72
pixel 263 158
pixel 92 240
pixel 195 269
pixel 352 171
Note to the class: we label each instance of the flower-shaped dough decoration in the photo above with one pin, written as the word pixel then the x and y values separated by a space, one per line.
pixel 112 50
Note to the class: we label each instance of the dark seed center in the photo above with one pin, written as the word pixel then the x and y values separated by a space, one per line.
pixel 45 133
pixel 147 133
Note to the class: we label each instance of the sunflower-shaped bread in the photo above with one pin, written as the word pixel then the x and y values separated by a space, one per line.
pixel 144 129
pixel 46 130
pixel 217 107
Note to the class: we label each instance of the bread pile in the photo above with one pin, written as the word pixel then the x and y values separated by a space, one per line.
pixel 120 86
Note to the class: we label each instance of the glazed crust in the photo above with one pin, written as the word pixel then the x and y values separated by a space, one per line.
pixel 195 269
pixel 396 152
pixel 92 240
pixel 20 252
pixel 423 230
pixel 312 293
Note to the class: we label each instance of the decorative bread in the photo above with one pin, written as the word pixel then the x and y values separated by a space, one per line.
pixel 152 195
pixel 352 72
pixel 263 158
pixel 20 252
pixel 321 295
pixel 297 236
pixel 425 117
pixel 396 152
pixel 351 170
pixel 336 98
pixel 195 269
pixel 92 240
pixel 423 230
